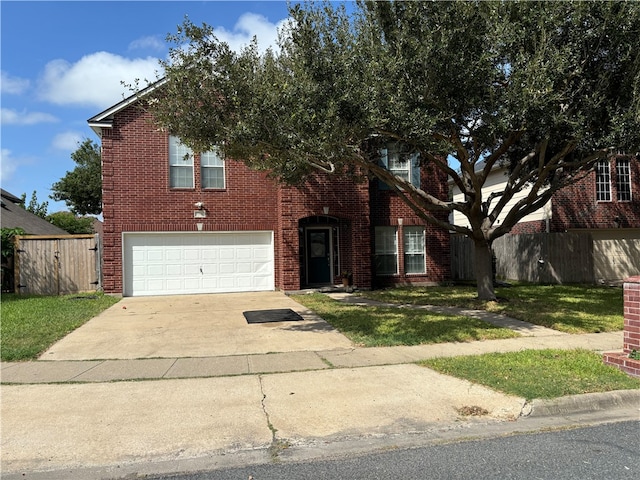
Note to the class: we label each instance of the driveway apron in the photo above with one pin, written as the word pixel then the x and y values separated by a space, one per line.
pixel 195 326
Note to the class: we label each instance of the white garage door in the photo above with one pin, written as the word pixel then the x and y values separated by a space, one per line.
pixel 198 262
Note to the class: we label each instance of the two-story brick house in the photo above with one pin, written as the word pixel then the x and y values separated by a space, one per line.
pixel 176 222
pixel 605 204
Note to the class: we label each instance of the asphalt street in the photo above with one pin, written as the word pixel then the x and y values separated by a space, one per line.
pixel 610 451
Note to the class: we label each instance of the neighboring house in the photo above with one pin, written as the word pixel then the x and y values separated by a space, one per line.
pixel 15 216
pixel 179 223
pixel 605 204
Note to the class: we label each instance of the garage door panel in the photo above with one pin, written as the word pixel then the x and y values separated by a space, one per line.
pixel 244 267
pixel 154 255
pixel 227 253
pixel 209 254
pixel 227 268
pixel 261 253
pixel 227 283
pixel 177 263
pixel 173 269
pixel 210 269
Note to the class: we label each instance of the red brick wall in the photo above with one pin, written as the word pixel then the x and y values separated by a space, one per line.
pixel 348 201
pixel 137 198
pixel 631 341
pixel 631 315
pixel 387 208
pixel 529 227
pixel 576 207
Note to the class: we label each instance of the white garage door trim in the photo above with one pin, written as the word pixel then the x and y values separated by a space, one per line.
pixel 171 263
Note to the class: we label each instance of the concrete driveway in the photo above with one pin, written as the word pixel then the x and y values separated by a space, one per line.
pixel 195 326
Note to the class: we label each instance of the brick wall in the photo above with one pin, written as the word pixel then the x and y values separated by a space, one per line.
pixel 631 341
pixel 348 201
pixel 137 198
pixel 631 315
pixel 576 207
pixel 387 209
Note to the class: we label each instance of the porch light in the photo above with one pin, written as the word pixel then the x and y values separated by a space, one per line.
pixel 325 210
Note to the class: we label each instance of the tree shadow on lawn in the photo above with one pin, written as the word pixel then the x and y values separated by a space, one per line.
pixel 389 326
pixel 567 308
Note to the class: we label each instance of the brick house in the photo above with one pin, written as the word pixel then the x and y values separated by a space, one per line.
pixel 177 222
pixel 605 204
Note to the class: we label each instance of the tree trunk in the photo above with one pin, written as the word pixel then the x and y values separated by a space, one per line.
pixel 484 270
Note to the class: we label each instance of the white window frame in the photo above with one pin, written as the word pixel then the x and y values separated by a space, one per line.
pixel 603 181
pixel 209 162
pixel 386 246
pixel 180 164
pixel 399 164
pixel 414 248
pixel 402 164
pixel 623 179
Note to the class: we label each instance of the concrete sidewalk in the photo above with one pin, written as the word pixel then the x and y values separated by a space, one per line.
pixel 87 419
pixel 89 371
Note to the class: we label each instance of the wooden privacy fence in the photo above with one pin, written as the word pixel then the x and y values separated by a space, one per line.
pixel 55 265
pixel 537 258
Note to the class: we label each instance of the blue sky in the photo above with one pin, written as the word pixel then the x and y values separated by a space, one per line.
pixel 63 62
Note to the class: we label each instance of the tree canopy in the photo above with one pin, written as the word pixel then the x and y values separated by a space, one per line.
pixel 81 188
pixel 35 207
pixel 543 88
pixel 71 223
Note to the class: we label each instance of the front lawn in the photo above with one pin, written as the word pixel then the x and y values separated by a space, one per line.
pixel 388 326
pixel 567 308
pixel 31 324
pixel 537 373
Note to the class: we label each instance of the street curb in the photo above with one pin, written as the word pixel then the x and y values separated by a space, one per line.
pixel 587 402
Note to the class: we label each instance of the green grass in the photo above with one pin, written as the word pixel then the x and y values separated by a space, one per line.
pixel 30 324
pixel 537 373
pixel 567 308
pixel 388 326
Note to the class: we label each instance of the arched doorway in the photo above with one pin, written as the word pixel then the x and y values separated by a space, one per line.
pixel 319 250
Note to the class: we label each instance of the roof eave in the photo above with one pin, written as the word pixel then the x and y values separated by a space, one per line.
pixel 104 119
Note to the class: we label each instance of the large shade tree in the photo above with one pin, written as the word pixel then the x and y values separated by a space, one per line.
pixel 81 188
pixel 543 88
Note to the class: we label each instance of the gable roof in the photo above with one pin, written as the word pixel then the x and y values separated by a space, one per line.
pixel 104 119
pixel 14 216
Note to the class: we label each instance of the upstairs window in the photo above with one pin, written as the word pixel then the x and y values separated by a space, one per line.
pixel 603 181
pixel 180 164
pixel 623 180
pixel 401 163
pixel 212 170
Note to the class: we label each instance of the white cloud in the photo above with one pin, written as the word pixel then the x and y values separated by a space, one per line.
pixel 248 26
pixel 94 80
pixel 68 141
pixel 13 85
pixel 152 43
pixel 8 165
pixel 12 117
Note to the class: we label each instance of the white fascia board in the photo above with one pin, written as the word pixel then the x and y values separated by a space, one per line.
pixel 104 119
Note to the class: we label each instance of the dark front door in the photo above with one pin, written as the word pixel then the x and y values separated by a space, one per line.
pixel 319 256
